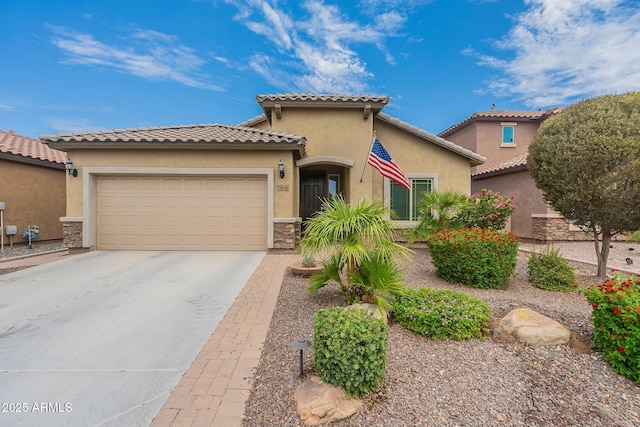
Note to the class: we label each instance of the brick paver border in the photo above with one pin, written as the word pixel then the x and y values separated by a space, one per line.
pixel 215 388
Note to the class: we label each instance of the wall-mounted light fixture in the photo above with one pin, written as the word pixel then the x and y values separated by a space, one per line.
pixel 68 165
pixel 281 169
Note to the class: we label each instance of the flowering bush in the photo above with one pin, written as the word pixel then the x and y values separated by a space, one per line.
pixel 442 313
pixel 616 322
pixel 488 209
pixel 477 257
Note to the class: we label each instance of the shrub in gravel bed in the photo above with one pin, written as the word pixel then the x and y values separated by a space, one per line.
pixel 476 257
pixel 350 349
pixel 441 313
pixel 548 270
pixel 616 323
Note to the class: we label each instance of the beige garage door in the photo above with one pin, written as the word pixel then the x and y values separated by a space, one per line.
pixel 181 213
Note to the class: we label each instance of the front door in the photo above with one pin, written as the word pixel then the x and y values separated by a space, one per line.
pixel 312 190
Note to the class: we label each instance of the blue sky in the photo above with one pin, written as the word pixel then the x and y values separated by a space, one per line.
pixel 73 66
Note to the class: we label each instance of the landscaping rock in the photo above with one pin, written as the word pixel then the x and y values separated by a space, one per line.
pixel 533 328
pixel 320 403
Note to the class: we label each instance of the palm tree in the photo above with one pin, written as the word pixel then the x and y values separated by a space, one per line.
pixel 359 250
pixel 438 211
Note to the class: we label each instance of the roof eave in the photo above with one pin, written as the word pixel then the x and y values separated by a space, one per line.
pixel 31 161
pixel 482 175
pixel 173 145
pixel 474 158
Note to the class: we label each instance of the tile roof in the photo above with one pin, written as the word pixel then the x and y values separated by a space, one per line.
pixel 317 98
pixel 475 158
pixel 200 134
pixel 518 162
pixel 27 148
pixel 502 115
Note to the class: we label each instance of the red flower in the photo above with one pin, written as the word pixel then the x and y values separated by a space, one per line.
pixel 621 348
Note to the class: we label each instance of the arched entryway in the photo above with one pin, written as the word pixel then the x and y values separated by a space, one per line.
pixel 321 178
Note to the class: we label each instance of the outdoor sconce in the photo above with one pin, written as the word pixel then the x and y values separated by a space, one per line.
pixel 281 169
pixel 68 165
pixel 301 345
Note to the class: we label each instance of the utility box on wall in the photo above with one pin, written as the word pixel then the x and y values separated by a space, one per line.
pixel 1 206
pixel 11 230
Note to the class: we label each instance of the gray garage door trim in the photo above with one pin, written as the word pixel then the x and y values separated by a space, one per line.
pixel 90 177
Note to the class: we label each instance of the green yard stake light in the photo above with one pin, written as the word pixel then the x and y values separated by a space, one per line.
pixel 301 345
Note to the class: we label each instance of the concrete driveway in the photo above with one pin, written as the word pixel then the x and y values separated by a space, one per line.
pixel 102 338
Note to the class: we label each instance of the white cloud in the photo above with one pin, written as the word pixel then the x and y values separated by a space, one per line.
pixel 568 50
pixel 147 54
pixel 321 47
pixel 67 125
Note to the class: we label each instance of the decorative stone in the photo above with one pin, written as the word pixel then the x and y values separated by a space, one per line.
pixel 320 403
pixel 533 328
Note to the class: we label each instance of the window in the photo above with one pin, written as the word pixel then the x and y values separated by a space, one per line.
pixel 334 185
pixel 403 202
pixel 508 133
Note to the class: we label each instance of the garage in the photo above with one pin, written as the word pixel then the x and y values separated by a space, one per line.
pixel 155 212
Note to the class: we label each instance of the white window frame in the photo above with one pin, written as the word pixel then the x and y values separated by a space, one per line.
pixel 504 125
pixel 387 195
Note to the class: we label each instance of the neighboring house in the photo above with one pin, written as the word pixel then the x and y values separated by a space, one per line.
pixel 246 187
pixel 503 137
pixel 32 178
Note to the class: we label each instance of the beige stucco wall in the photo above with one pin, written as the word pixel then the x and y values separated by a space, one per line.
pixel 331 132
pixel 285 192
pixel 414 155
pixel 345 133
pixel 33 195
pixel 528 199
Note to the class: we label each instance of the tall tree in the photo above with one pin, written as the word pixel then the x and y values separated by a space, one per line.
pixel 586 160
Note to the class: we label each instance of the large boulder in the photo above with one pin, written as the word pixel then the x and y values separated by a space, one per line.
pixel 533 328
pixel 320 403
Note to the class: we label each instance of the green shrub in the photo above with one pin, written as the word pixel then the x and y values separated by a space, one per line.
pixel 350 349
pixel 635 237
pixel 548 270
pixel 442 313
pixel 477 257
pixel 616 323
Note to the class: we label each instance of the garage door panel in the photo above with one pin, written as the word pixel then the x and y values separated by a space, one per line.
pixel 189 213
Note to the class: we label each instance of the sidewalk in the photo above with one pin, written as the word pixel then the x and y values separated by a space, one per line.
pixel 214 390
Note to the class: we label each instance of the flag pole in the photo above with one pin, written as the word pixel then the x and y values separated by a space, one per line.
pixel 368 152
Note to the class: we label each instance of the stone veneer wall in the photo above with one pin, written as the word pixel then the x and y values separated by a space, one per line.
pixel 72 234
pixel 286 234
pixel 558 229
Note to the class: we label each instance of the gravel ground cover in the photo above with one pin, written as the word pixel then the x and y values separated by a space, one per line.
pixel 479 382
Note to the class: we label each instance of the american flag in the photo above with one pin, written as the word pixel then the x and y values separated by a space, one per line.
pixel 382 161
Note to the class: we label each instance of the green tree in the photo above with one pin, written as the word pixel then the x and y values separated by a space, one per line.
pixel 586 160
pixel 357 244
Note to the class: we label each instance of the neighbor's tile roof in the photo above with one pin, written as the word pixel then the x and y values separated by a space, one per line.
pixel 209 134
pixel 313 97
pixel 475 158
pixel 22 146
pixel 517 162
pixel 501 115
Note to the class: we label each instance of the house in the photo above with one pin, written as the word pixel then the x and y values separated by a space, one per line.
pixel 503 137
pixel 246 187
pixel 32 188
